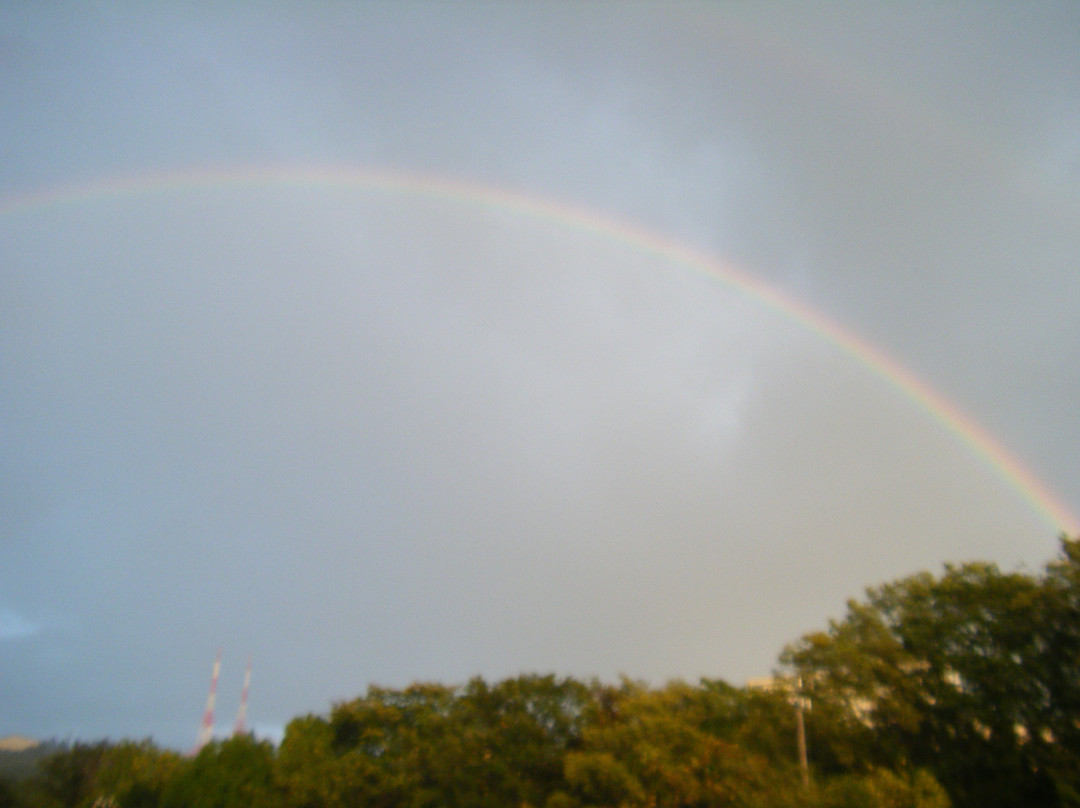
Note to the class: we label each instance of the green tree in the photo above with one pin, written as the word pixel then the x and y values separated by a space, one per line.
pixel 9 794
pixel 478 745
pixel 762 721
pixel 881 788
pixel 306 771
pixel 517 732
pixel 1054 702
pixel 970 674
pixel 66 777
pixel 134 775
pixel 236 773
pixel 653 748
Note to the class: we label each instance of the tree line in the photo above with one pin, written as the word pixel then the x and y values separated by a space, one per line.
pixel 959 689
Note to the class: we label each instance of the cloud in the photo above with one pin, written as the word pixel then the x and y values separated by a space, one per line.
pixel 15 627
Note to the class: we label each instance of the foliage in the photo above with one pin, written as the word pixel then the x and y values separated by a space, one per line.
pixel 237 773
pixel 533 740
pixel 17 766
pixel 134 775
pixel 478 745
pixel 66 777
pixel 883 788
pixel 654 747
pixel 9 795
pixel 972 675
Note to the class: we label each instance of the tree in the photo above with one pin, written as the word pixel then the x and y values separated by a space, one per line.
pixel 519 731
pixel 134 775
pixel 763 721
pixel 882 788
pixel 477 745
pixel 652 748
pixel 235 773
pixel 9 795
pixel 66 777
pixel 306 771
pixel 971 674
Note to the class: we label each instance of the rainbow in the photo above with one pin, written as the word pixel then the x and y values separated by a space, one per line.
pixel 962 426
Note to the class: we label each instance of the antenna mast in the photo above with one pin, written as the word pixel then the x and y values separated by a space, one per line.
pixel 241 716
pixel 206 732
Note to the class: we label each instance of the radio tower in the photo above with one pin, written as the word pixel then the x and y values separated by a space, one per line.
pixel 206 733
pixel 241 715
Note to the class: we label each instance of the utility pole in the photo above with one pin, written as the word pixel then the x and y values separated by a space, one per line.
pixel 800 733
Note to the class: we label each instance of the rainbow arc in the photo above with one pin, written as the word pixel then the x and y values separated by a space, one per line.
pixel 980 442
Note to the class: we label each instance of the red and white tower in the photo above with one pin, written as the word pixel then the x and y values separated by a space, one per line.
pixel 206 732
pixel 241 715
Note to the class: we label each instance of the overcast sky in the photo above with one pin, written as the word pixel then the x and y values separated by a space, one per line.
pixel 364 436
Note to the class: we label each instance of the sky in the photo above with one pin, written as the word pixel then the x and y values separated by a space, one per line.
pixel 387 342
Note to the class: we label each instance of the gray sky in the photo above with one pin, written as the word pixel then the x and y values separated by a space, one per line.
pixel 369 437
